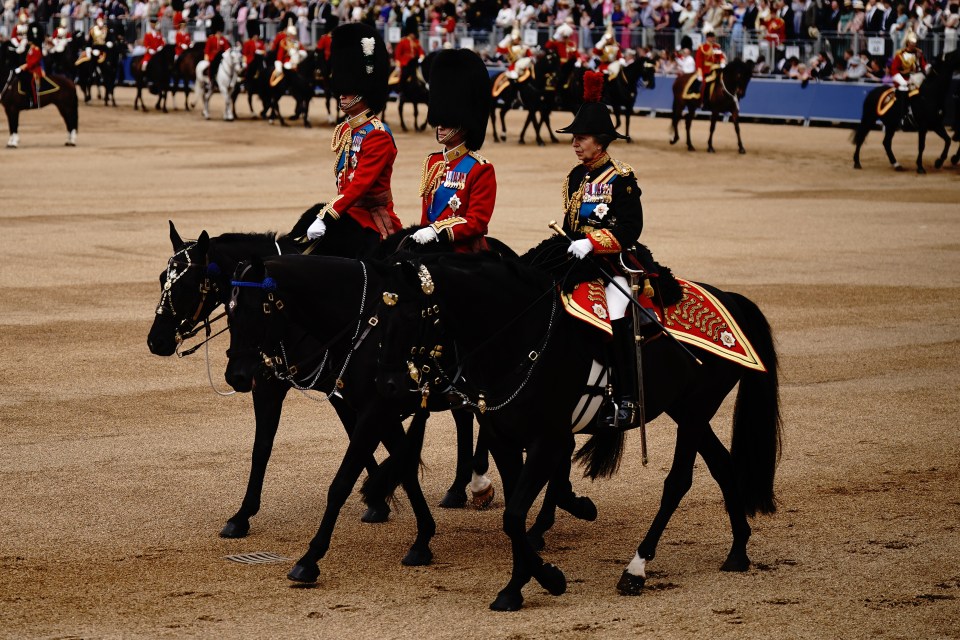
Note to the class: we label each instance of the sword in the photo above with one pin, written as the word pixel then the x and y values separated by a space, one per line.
pixel 636 305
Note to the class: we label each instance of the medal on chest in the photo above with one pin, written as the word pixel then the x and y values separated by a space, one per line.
pixel 455 180
pixel 593 193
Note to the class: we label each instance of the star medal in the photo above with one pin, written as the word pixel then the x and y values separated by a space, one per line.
pixel 454 203
pixel 601 210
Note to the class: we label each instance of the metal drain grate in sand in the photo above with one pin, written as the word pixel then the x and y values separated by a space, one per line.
pixel 258 557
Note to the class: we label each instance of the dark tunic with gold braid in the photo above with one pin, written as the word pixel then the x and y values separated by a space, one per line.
pixel 602 202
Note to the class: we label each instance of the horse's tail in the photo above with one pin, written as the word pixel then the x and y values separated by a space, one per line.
pixel 756 418
pixel 403 463
pixel 601 454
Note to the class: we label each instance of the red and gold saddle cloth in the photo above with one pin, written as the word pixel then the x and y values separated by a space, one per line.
pixel 699 319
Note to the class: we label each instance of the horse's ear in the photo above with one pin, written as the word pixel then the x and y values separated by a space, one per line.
pixel 203 243
pixel 175 237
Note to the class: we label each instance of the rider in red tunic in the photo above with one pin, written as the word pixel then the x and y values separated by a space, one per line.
pixel 907 69
pixel 33 68
pixel 518 55
pixel 216 45
pixel 458 186
pixel 364 145
pixel 255 46
pixel 409 47
pixel 182 41
pixel 153 42
pixel 709 59
pixel 562 43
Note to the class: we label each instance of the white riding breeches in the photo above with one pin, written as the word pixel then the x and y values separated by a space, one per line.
pixel 617 303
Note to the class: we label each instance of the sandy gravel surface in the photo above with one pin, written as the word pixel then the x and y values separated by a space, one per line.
pixel 118 468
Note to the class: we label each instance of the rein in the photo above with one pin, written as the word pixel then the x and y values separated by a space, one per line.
pixel 723 85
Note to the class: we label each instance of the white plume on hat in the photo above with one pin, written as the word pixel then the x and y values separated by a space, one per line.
pixel 563 31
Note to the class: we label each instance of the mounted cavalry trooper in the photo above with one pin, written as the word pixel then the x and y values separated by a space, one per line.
pixel 518 55
pixel 608 52
pixel 409 47
pixel 153 42
pixel 31 71
pixel 61 36
pixel 283 31
pixel 97 43
pixel 458 186
pixel 20 39
pixel 709 59
pixel 562 43
pixel 364 146
pixel 601 201
pixel 908 69
pixel 215 46
pixel 289 55
pixel 182 41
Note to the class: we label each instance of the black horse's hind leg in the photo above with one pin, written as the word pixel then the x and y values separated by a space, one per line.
pixel 713 125
pixel 493 123
pixel 689 121
pixel 735 116
pixel 888 146
pixel 921 145
pixel 379 511
pixel 560 494
pixel 942 132
pixel 268 396
pixel 503 122
pixel 403 123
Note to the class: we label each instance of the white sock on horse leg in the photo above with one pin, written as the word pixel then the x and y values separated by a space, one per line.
pixel 479 483
pixel 637 566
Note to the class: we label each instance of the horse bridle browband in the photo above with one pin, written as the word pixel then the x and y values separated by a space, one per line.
pixel 207 285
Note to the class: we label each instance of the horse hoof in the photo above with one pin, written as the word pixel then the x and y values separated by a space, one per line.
pixel 630 585
pixel 629 140
pixel 521 141
pixel 454 500
pixel 235 529
pixel 540 143
pixel 304 574
pixel 856 165
pixel 417 557
pixel 921 171
pixel 306 124
pixel 898 167
pixel 483 499
pixel 376 514
pixel 552 579
pixel 955 160
pixel 69 144
pixel 939 163
pixel 507 602
pixel 711 150
pixel 536 541
pixel 736 563
pixel 690 148
pixel 742 151
pixel 581 508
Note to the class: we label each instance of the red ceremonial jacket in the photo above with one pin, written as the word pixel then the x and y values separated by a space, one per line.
pixel 905 68
pixel 407 49
pixel 464 220
pixel 215 45
pixel 709 58
pixel 363 190
pixel 33 61
pixel 323 45
pixel 283 53
pixel 152 42
pixel 278 41
pixel 253 47
pixel 182 42
pixel 565 49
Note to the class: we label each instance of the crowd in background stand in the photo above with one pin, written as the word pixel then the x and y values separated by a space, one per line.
pixel 802 39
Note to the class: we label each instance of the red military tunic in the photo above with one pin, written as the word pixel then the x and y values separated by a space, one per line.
pixel 565 49
pixel 278 41
pixel 33 62
pixel 906 63
pixel 215 44
pixel 708 58
pixel 365 154
pixel 283 54
pixel 252 48
pixel 182 42
pixel 407 49
pixel 465 217
pixel 323 46
pixel 152 42
pixel 776 30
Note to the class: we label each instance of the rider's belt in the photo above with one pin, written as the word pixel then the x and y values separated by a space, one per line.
pixel 370 201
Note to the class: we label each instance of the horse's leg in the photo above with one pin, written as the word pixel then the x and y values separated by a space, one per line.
pixel 371 424
pixel 306 109
pixel 942 132
pixel 546 120
pixel 380 511
pixel 207 93
pixel 456 495
pixel 493 123
pixel 713 125
pixel 560 494
pixel 675 486
pixel 13 122
pixel 689 121
pixel 419 553
pixel 536 127
pixel 503 122
pixel 68 111
pixel 543 458
pixel 720 464
pixel 268 396
pixel 921 145
pixel 674 121
pixel 735 116
pixel 955 159
pixel 888 146
pixel 403 123
pixel 627 118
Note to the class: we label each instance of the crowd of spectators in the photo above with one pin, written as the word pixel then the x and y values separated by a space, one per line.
pixel 651 27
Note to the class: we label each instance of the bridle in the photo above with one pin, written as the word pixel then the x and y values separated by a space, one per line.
pixel 430 317
pixel 188 327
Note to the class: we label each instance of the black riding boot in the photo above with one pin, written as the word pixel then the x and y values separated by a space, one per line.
pixel 623 413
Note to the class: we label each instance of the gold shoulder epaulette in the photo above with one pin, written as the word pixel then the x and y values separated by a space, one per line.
pixel 622 168
pixel 340 134
pixel 479 158
pixel 377 124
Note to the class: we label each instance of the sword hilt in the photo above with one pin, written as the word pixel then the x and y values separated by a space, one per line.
pixel 553 225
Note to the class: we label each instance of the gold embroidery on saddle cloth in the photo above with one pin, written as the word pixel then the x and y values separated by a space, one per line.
pixel 886 101
pixel 588 302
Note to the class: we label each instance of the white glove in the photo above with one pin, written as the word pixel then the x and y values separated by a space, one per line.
pixel 317 229
pixel 580 248
pixel 109 45
pixel 17 70
pixel 425 235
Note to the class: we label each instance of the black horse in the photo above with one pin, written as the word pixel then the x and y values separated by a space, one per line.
pixel 412 89
pixel 525 374
pixel 157 78
pixel 255 82
pixel 184 73
pixel 56 90
pixel 534 91
pixel 300 83
pixel 282 302
pixel 621 92
pixel 927 108
pixel 725 96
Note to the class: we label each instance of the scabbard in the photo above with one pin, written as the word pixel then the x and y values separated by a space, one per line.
pixel 637 340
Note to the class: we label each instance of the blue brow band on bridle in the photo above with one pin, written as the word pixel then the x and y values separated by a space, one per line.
pixel 268 284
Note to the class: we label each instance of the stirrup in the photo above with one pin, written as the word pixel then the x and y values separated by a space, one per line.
pixel 623 416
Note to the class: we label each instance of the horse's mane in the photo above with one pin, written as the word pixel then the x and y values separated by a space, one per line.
pixel 551 256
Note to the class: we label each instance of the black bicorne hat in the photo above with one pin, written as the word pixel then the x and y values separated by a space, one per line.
pixel 460 94
pixel 411 25
pixel 359 64
pixel 593 118
pixel 216 24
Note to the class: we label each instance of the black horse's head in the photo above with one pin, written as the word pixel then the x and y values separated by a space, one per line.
pixel 252 301
pixel 410 347
pixel 187 293
pixel 736 76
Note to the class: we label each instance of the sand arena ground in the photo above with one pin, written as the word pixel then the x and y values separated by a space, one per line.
pixel 118 468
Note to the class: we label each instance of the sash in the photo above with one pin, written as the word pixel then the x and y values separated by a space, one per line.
pixel 597 191
pixel 350 152
pixel 446 190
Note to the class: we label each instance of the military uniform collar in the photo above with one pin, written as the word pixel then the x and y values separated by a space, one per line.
pixel 358 121
pixel 601 160
pixel 451 155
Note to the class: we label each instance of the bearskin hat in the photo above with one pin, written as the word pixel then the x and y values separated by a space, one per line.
pixel 411 26
pixel 460 94
pixel 359 64
pixel 686 42
pixel 593 117
pixel 216 24
pixel 35 34
pixel 289 18
pixel 253 27
pixel 330 24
